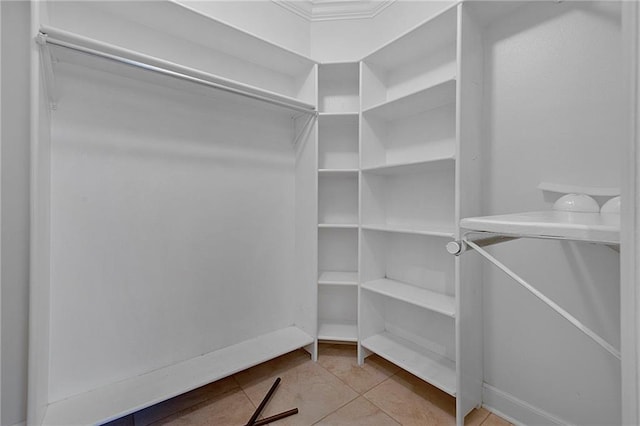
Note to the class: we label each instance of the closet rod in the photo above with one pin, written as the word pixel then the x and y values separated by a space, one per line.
pixel 44 38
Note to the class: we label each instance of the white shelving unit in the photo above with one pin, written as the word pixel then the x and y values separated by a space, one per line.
pixel 419 175
pixel 338 201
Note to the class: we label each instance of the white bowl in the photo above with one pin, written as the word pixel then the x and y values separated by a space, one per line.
pixel 576 203
pixel 611 206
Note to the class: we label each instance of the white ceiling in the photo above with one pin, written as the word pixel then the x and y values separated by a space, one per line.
pixel 325 10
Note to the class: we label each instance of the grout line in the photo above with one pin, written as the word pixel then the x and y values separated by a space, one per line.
pixel 485 418
pixel 343 405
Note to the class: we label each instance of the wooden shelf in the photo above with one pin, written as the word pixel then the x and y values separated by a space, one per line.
pixel 124 397
pixel 338 278
pixel 442 92
pixel 431 300
pixel 338 331
pixel 437 231
pixel 436 163
pixel 552 224
pixel 429 366
pixel 338 225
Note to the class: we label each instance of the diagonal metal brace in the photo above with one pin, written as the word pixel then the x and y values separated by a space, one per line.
pixel 566 315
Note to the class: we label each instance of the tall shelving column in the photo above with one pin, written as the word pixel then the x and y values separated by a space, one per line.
pixel 338 209
pixel 412 187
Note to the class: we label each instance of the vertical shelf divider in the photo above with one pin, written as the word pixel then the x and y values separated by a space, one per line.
pixel 338 202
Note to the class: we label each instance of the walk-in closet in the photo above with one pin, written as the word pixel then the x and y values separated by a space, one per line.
pixel 367 198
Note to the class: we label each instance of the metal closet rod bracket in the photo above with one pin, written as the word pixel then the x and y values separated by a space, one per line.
pixel 305 128
pixel 458 247
pixel 47 68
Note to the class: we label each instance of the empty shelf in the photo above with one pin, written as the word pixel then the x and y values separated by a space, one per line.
pixel 337 171
pixel 436 231
pixel 338 331
pixel 429 366
pixel 338 278
pixel 439 94
pixel 339 114
pixel 428 299
pixel 553 224
pixel 124 397
pixel 436 163
pixel 338 225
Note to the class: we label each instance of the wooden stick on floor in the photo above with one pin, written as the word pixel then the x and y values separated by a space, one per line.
pixel 268 420
pixel 264 401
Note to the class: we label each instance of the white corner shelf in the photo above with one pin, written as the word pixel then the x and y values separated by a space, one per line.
pixel 435 163
pixel 338 225
pixel 338 278
pixel 422 297
pixel 331 172
pixel 338 331
pixel 338 114
pixel 441 92
pixel 338 87
pixel 439 29
pixel 427 365
pixel 125 397
pixel 438 230
pixel 552 224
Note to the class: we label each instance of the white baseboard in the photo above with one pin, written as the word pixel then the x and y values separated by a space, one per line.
pixel 21 424
pixel 515 410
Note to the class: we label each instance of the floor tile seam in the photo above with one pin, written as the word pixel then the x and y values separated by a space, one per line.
pixel 342 381
pixel 485 418
pixel 244 392
pixel 384 411
pixel 340 407
pixel 376 405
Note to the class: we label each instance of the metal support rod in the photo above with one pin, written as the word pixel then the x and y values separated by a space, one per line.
pixel 45 39
pixel 271 419
pixel 566 315
pixel 49 76
pixel 303 131
pixel 458 247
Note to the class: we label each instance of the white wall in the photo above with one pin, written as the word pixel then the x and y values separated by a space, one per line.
pixel 351 40
pixel 15 208
pixel 160 198
pixel 554 112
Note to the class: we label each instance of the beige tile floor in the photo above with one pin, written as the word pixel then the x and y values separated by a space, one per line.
pixel 335 391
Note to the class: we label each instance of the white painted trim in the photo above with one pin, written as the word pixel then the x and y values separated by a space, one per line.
pixel 630 226
pixel 0 215
pixel 20 424
pixel 329 10
pixel 515 410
